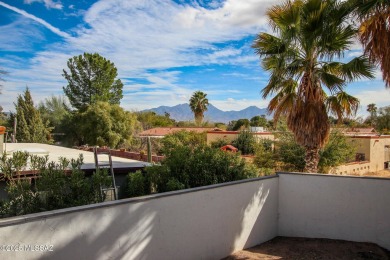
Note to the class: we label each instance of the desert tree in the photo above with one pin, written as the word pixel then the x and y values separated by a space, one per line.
pixel 92 78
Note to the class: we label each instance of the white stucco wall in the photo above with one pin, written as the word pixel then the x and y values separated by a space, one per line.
pixel 209 222
pixel 336 207
pixel 203 223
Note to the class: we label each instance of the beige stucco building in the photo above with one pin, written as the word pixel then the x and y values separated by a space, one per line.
pixel 229 136
pixel 372 155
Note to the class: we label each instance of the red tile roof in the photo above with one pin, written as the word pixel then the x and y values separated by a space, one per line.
pixel 162 131
pixel 229 148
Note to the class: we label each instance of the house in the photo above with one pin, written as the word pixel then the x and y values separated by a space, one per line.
pixel 372 154
pixel 160 132
pixel 229 136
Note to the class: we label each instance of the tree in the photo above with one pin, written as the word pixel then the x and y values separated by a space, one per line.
pixel 91 78
pixel 30 127
pixel 198 105
pixel 374 32
pixel 289 153
pixel 150 119
pixel 292 156
pixel 310 34
pixel 104 124
pixel 258 121
pixel 383 120
pixel 336 152
pixel 182 138
pixel 371 108
pixel 265 157
pixel 189 167
pixel 245 142
pixel 55 110
pixel 240 124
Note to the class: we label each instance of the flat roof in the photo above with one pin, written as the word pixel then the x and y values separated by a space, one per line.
pixel 162 131
pixel 237 132
pixel 55 152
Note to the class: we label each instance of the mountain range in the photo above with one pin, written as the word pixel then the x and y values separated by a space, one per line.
pixel 183 112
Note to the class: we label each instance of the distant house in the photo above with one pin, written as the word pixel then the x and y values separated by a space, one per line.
pixel 229 136
pixel 357 131
pixel 372 154
pixel 160 132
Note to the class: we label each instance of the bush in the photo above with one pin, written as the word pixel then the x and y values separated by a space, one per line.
pixel 57 187
pixel 136 184
pixel 187 167
pixel 219 143
pixel 245 142
pixel 291 154
pixel 264 157
pixel 174 184
pixel 336 152
pixel 182 138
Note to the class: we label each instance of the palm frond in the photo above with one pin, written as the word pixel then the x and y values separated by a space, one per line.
pixel 342 105
pixel 374 32
pixel 266 44
pixel 357 68
pixel 331 81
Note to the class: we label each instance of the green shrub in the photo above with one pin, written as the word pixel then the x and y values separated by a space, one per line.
pixel 174 184
pixel 182 138
pixel 187 167
pixel 57 187
pixel 136 184
pixel 245 142
pixel 219 143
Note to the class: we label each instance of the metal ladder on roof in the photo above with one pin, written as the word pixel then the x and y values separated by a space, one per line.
pixel 99 166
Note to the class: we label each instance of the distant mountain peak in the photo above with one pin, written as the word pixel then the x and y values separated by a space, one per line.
pixel 182 112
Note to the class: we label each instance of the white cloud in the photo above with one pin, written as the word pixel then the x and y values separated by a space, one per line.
pixel 161 34
pixel 49 4
pixel 18 38
pixel 380 97
pixel 140 35
pixel 39 20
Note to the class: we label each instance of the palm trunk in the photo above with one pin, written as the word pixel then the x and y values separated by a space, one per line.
pixel 312 158
pixel 198 119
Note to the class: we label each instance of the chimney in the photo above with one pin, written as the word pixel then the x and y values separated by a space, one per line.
pixel 2 132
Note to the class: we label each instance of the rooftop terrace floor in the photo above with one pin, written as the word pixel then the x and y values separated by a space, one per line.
pixel 311 248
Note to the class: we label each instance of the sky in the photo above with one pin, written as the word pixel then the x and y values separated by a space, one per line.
pixel 164 50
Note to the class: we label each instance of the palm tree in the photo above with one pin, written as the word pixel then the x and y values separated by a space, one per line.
pixel 306 82
pixel 374 32
pixel 198 105
pixel 371 108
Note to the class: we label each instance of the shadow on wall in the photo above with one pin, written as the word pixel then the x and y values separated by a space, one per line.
pixel 207 223
pixel 101 233
pixel 258 219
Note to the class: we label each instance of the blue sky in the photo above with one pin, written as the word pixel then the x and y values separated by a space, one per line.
pixel 164 49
